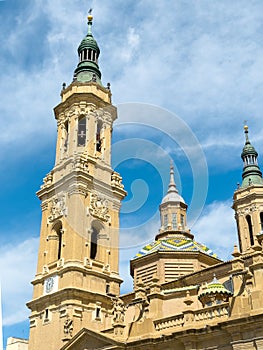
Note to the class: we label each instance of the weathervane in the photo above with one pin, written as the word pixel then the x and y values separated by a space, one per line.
pixel 90 17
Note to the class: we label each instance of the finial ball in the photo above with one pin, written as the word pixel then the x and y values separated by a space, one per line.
pixel 90 17
pixel 245 127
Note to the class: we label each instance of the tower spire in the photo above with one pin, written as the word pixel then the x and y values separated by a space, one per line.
pixel 172 185
pixel 88 51
pixel 251 171
pixel 90 18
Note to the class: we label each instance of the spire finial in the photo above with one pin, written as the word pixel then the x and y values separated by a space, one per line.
pixel 246 131
pixel 172 186
pixel 90 17
pixel 171 173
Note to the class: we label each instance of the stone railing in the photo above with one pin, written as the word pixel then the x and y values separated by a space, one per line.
pixel 212 312
pixel 190 318
pixel 169 322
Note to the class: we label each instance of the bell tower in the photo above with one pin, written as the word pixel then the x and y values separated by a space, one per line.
pixel 77 271
pixel 248 199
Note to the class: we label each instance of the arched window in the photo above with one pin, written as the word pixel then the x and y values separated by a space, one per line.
pixel 165 221
pixel 239 238
pixel 82 131
pixel 261 221
pixel 182 221
pixel 174 221
pixel 58 229
pixel 98 136
pixel 250 229
pixel 66 136
pixel 94 243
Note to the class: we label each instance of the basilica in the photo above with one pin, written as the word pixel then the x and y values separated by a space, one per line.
pixel 184 296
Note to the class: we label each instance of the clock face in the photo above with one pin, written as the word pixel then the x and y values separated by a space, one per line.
pixel 49 284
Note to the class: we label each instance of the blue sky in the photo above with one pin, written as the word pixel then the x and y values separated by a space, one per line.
pixel 184 74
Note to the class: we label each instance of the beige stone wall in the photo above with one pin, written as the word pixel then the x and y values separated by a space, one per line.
pixel 16 344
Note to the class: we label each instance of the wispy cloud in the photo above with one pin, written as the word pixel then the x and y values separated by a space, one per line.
pixel 216 228
pixel 18 266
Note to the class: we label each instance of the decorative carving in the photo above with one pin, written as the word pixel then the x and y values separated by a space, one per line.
pixel 118 311
pixel 68 327
pixel 80 163
pixel 116 180
pixel 47 181
pixel 247 210
pixel 98 208
pixel 58 207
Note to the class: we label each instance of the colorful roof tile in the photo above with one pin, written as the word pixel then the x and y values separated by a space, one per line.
pixel 215 287
pixel 178 244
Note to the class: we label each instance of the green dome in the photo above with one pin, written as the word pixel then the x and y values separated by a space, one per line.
pixel 248 149
pixel 215 287
pixel 88 51
pixel 89 43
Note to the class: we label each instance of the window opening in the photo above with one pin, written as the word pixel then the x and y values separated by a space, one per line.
pixel 59 233
pixel 261 221
pixel 97 312
pixel 98 136
pixel 46 314
pixel 94 244
pixel 82 131
pixel 66 136
pixel 174 221
pixel 165 221
pixel 182 221
pixel 250 229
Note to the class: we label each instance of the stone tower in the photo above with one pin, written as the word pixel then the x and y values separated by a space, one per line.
pixel 248 199
pixel 77 272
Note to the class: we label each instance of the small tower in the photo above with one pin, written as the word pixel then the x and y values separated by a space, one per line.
pixel 173 210
pixel 174 252
pixel 78 270
pixel 248 198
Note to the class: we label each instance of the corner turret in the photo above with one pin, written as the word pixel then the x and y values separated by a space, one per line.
pixel 251 172
pixel 248 199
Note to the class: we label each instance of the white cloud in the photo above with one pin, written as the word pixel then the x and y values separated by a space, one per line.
pixel 216 228
pixel 201 61
pixel 18 266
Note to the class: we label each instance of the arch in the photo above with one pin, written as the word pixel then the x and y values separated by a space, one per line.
pixel 165 221
pixel 98 136
pixel 82 131
pixel 239 237
pixel 174 221
pixel 261 220
pixel 250 229
pixel 66 136
pixel 94 243
pixel 182 221
pixel 57 228
pixel 96 228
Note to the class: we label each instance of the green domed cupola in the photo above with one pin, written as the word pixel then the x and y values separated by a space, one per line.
pixel 251 172
pixel 88 51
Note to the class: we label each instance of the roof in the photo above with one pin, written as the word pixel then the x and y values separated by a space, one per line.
pixel 215 287
pixel 177 244
pixel 172 195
